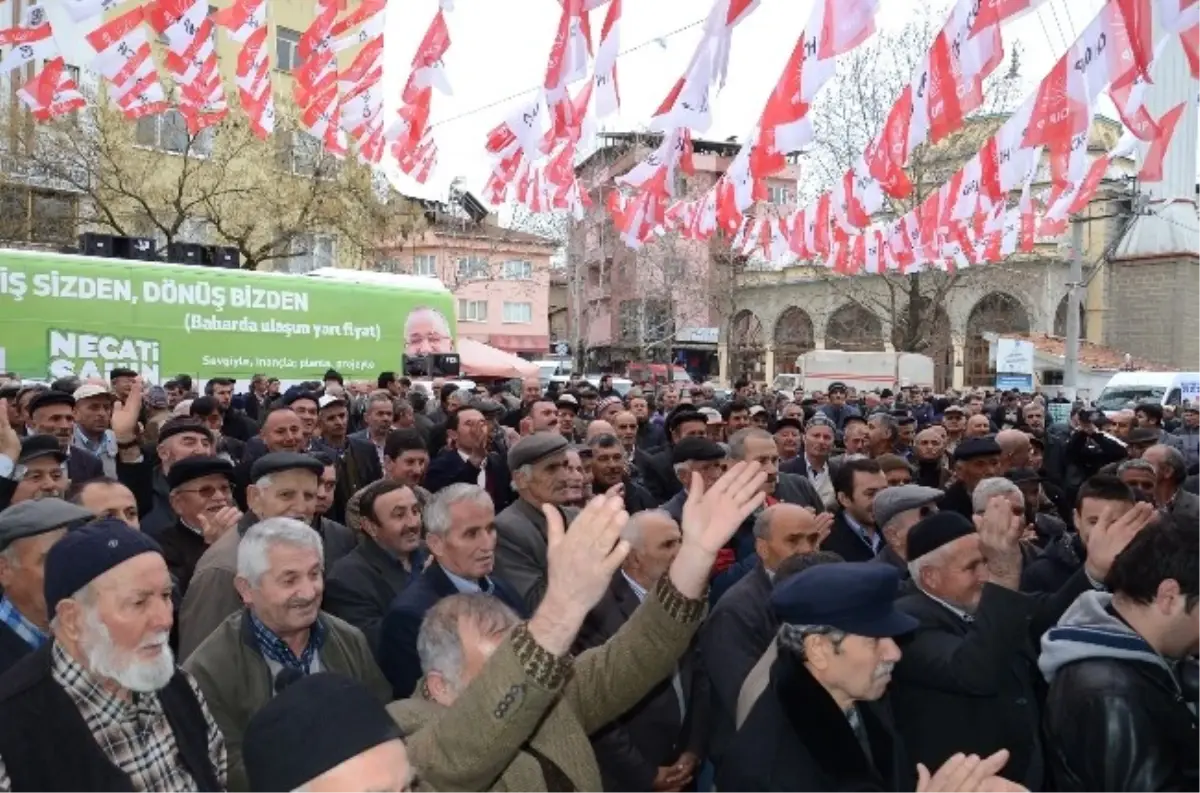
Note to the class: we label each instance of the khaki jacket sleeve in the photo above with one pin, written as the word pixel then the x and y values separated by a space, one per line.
pixel 612 678
pixel 210 598
pixel 469 745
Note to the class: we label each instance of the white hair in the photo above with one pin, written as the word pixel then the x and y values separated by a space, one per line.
pixel 635 528
pixel 988 489
pixel 439 642
pixel 255 546
pixel 436 513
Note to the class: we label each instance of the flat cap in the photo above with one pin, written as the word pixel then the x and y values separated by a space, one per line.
pixel 30 518
pixel 276 462
pixel 535 448
pixel 88 553
pixel 682 413
pixel 690 449
pixel 788 421
pixel 1022 475
pixel 837 385
pixel 48 398
pixel 1142 436
pixel 92 390
pixel 972 448
pixel 567 401
pixel 891 501
pixel 296 394
pixel 34 447
pixel 314 725
pixel 855 597
pixel 933 532
pixel 195 467
pixel 487 407
pixel 180 425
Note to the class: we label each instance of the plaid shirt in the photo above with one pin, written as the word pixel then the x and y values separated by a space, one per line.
pixel 16 621
pixel 134 734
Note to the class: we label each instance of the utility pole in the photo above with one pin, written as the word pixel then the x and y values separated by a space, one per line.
pixel 1074 287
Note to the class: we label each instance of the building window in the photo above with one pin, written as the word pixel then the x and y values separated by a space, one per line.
pixel 311 252
pixel 779 194
pixel 518 271
pixel 425 264
pixel 472 267
pixel 37 215
pixel 168 132
pixel 521 313
pixel 305 155
pixel 472 311
pixel 287 49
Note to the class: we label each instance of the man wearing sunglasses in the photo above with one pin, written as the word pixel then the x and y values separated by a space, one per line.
pixel 202 499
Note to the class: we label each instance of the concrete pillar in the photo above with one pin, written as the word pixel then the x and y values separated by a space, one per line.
pixel 769 364
pixel 723 365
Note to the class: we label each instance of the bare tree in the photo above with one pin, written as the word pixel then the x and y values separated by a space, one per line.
pixel 849 113
pixel 152 177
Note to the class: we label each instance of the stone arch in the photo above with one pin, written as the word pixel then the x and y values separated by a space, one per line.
pixel 1060 319
pixel 995 312
pixel 747 346
pixel 794 336
pixel 853 328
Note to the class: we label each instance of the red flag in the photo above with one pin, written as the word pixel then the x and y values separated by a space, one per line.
pixel 1152 168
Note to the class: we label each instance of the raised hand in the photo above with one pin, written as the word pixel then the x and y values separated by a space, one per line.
pixel 125 415
pixel 823 523
pixel 213 528
pixel 966 773
pixel 1110 536
pixel 1000 532
pixel 580 566
pixel 710 519
pixel 10 442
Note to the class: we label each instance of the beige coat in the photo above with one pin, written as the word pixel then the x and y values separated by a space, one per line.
pixel 526 703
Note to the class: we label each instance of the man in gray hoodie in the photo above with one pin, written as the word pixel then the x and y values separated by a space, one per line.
pixel 1117 716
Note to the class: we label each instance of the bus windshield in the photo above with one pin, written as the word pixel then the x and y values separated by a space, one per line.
pixel 1122 397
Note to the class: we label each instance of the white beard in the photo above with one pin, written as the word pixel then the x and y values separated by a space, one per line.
pixel 107 660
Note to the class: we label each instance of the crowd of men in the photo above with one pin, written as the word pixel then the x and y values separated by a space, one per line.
pixel 379 587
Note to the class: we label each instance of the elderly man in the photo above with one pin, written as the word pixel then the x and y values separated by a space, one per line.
pixel 823 722
pixel 202 501
pixel 815 464
pixel 967 678
pixel 689 457
pixel 610 468
pixel 281 633
pixel 975 459
pixel 93 424
pixel 53 413
pixel 470 462
pixel 1140 475
pixel 896 511
pixel 364 582
pixel 426 332
pixel 757 445
pixel 325 733
pixel 789 435
pixel 463 734
pixel 930 465
pixel 658 472
pixel 103 706
pixel 284 485
pixel 27 532
pixel 1170 465
pixel 538 464
pixel 461 535
pixel 741 625
pixel 40 470
pixel 1014 449
pixel 660 742
pixel 106 498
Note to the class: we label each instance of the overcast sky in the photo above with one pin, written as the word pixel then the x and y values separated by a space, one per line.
pixel 499 48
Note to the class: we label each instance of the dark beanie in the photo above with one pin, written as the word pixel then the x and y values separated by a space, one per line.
pixel 87 553
pixel 315 724
pixel 931 533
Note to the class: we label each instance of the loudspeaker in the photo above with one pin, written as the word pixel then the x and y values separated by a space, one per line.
pixel 222 256
pixel 142 249
pixel 91 244
pixel 437 365
pixel 185 253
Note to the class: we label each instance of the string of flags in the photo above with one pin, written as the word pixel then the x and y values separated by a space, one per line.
pixel 985 211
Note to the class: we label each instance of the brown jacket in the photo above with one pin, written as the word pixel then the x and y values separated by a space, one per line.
pixel 237 682
pixel 529 711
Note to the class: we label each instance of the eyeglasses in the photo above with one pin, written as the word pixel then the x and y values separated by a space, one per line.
pixel 208 491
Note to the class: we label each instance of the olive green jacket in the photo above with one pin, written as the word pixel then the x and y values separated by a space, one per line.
pixel 527 703
pixel 237 682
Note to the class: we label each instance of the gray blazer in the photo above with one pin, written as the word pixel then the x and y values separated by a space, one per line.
pixel 521 549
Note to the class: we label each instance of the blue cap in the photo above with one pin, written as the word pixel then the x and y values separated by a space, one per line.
pixel 854 597
pixel 88 553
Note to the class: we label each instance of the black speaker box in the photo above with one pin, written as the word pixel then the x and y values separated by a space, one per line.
pixel 222 256
pixel 185 253
pixel 142 249
pixel 91 244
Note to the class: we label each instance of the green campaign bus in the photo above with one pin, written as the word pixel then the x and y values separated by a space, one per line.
pixel 64 314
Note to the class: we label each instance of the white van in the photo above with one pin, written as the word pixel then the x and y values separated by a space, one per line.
pixel 1162 388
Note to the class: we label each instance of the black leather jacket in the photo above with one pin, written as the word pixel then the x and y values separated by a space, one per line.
pixel 1114 724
